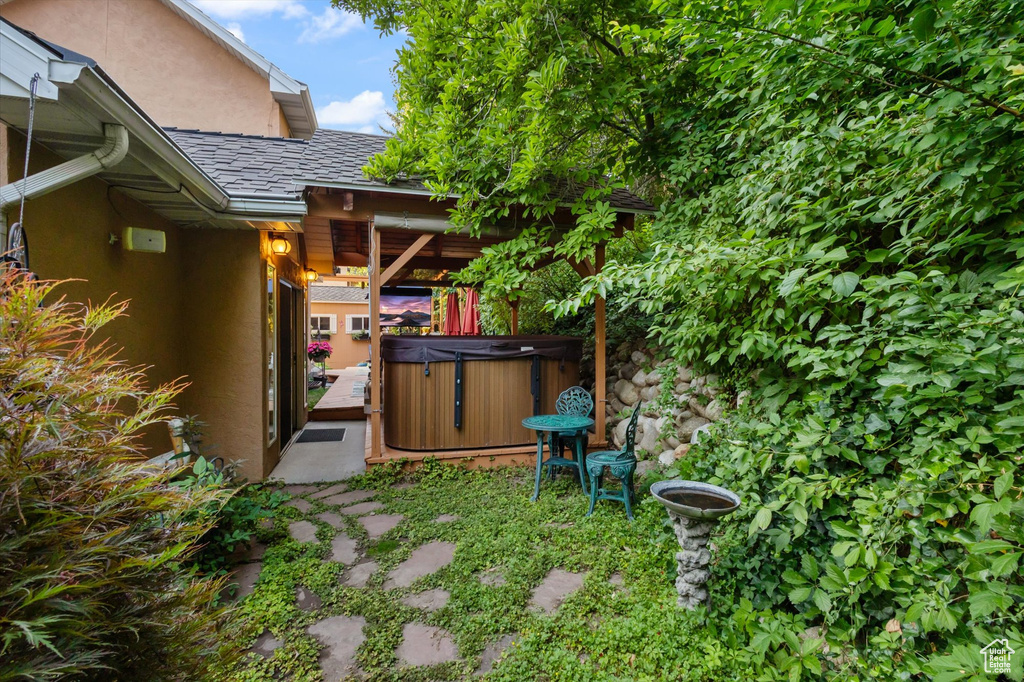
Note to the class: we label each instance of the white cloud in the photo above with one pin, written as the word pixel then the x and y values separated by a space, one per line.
pixel 244 9
pixel 235 29
pixel 332 23
pixel 363 113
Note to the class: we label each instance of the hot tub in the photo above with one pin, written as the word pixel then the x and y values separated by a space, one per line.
pixel 470 392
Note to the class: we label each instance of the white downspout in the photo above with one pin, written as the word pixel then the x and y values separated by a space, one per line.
pixel 110 154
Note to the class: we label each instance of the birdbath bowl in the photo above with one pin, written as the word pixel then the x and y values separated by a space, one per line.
pixel 694 509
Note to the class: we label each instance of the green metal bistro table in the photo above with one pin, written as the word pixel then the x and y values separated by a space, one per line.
pixel 554 425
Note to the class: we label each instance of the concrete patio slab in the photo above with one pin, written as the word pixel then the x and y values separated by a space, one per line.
pixel 359 575
pixel 362 508
pixel 426 645
pixel 378 524
pixel 329 461
pixel 344 550
pixel 424 560
pixel 302 531
pixel 556 586
pixel 429 600
pixel 341 637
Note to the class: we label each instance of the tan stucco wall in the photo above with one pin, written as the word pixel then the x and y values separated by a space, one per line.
pixel 346 351
pixel 178 75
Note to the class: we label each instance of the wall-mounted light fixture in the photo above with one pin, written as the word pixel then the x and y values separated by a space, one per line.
pixel 280 245
pixel 312 275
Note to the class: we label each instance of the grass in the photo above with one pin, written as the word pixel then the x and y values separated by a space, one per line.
pixel 313 396
pixel 633 631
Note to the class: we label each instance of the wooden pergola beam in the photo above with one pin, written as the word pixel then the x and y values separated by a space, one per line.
pixel 400 262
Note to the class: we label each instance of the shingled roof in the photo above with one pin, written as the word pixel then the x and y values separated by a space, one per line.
pixel 245 164
pixel 250 164
pixel 320 293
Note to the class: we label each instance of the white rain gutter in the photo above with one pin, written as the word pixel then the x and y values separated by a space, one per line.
pixel 110 154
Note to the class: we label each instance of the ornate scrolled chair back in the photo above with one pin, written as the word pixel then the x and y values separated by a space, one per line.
pixel 575 401
pixel 628 451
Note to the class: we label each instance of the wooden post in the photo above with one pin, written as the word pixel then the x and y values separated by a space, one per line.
pixel 376 435
pixel 515 315
pixel 600 399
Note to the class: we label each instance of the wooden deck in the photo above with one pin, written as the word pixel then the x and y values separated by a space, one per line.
pixel 340 403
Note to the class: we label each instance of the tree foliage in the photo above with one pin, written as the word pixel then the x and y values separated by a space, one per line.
pixel 842 213
pixel 91 539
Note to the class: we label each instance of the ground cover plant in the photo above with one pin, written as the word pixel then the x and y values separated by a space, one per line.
pixel 840 230
pixel 621 624
pixel 92 542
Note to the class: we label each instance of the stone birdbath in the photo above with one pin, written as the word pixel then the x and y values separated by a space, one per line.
pixel 694 509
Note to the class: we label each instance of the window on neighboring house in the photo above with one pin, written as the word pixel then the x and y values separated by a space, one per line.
pixel 357 323
pixel 325 324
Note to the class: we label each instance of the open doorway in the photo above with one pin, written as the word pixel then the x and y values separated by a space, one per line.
pixel 289 308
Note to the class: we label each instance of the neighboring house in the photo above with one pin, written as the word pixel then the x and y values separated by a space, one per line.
pixel 342 316
pixel 181 67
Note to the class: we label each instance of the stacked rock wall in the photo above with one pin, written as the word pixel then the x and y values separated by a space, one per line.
pixel 668 423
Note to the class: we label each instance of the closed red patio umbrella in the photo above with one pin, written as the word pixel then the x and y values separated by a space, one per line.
pixel 471 314
pixel 451 315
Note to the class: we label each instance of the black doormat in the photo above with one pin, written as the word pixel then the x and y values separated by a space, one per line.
pixel 321 435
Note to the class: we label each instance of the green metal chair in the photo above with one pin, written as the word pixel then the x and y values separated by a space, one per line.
pixel 621 464
pixel 574 401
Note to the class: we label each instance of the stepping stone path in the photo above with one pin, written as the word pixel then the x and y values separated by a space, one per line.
pixel 344 550
pixel 557 585
pixel 307 600
pixel 426 645
pixel 493 652
pixel 616 579
pixel 302 531
pixel 341 636
pixel 255 552
pixel 403 486
pixel 493 577
pixel 349 497
pixel 267 524
pixel 360 574
pixel 333 520
pixel 378 524
pixel 431 600
pixel 300 504
pixel 266 644
pixel 447 518
pixel 333 490
pixel 424 560
pixel 362 508
pixel 245 576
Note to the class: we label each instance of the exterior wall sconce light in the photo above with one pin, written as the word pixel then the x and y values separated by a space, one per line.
pixel 280 245
pixel 312 275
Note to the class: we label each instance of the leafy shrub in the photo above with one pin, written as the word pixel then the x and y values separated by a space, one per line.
pixel 91 540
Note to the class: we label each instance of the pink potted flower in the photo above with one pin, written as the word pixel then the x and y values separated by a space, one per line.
pixel 318 351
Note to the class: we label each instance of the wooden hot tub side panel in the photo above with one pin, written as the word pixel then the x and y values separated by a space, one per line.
pixel 419 411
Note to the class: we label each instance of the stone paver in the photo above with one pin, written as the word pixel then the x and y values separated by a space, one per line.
pixel 403 486
pixel 360 574
pixel 302 531
pixel 333 490
pixel 616 579
pixel 378 524
pixel 349 497
pixel 362 508
pixel 266 644
pixel 300 504
pixel 493 652
pixel 245 576
pixel 255 552
pixel 333 520
pixel 430 600
pixel 426 645
pixel 306 599
pixel 493 577
pixel 344 550
pixel 267 524
pixel 423 561
pixel 447 518
pixel 556 586
pixel 341 636
pixel 298 489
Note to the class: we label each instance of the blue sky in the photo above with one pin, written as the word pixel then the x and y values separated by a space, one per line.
pixel 346 64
